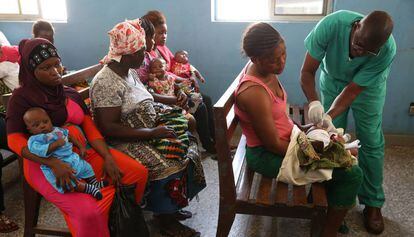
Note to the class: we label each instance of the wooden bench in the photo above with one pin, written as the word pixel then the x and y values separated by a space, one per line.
pixel 238 191
pixel 31 197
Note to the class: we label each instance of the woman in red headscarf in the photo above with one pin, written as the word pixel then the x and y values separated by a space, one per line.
pixel 41 86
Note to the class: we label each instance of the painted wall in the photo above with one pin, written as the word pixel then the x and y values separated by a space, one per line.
pixel 214 47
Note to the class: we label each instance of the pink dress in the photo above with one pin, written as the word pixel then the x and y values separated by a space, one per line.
pixel 163 86
pixel 181 69
pixel 283 123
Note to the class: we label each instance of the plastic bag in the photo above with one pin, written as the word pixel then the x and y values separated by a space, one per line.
pixel 125 217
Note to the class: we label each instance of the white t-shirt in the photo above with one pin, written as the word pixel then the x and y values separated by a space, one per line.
pixel 108 89
pixel 9 73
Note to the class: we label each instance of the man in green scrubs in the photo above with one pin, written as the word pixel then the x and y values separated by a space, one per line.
pixel 355 54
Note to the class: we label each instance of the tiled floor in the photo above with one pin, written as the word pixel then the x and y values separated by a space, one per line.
pixel 398 210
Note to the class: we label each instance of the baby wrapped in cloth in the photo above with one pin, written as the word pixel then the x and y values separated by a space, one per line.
pixel 311 157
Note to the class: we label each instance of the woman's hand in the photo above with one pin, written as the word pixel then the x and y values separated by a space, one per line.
pixel 111 170
pixel 162 132
pixel 82 151
pixel 194 82
pixel 64 174
pixel 182 99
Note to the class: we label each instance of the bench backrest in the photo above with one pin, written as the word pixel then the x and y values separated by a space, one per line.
pixel 70 79
pixel 225 125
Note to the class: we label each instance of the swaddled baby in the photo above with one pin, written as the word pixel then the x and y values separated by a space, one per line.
pixel 320 149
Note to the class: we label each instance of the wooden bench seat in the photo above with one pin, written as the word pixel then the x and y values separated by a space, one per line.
pixel 246 192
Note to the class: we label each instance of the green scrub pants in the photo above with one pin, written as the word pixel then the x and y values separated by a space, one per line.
pixel 367 111
pixel 341 190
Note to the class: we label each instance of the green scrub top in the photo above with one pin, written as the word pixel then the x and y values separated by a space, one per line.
pixel 328 43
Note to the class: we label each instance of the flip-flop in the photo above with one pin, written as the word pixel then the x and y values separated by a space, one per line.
pixel 179 230
pixel 182 215
pixel 7 225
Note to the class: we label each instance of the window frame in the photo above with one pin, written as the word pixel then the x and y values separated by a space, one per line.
pixel 272 17
pixel 327 8
pixel 28 17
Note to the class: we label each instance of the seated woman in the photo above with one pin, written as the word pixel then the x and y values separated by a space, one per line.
pixel 204 113
pixel 126 113
pixel 267 127
pixel 41 86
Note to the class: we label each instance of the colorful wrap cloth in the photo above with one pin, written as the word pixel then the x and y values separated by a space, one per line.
pixel 173 148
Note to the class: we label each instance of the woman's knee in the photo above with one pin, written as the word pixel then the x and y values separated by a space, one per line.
pixel 90 213
pixel 132 170
pixel 354 175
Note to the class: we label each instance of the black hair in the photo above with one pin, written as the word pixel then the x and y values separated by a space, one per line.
pixel 259 39
pixel 156 18
pixel 148 27
pixel 41 25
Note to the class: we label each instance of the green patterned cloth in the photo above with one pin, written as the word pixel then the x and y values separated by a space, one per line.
pixel 332 156
pixel 176 147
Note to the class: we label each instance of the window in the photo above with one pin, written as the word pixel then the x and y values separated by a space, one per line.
pixel 29 10
pixel 270 10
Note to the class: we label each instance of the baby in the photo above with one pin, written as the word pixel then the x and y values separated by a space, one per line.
pixel 160 81
pixel 323 150
pixel 47 141
pixel 182 68
pixel 165 84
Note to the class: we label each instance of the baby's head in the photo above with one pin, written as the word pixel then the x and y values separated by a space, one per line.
pixel 319 134
pixel 37 121
pixel 181 56
pixel 157 67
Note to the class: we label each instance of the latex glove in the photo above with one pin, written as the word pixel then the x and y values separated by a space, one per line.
pixel 347 137
pixel 352 145
pixel 315 112
pixel 327 124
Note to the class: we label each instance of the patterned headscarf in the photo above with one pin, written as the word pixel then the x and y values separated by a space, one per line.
pixel 41 53
pixel 126 37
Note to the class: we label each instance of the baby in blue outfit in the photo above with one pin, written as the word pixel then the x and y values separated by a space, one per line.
pixel 48 141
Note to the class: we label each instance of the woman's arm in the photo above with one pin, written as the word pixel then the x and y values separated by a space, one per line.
pixel 180 99
pixel 78 144
pixel 259 110
pixel 98 143
pixel 108 121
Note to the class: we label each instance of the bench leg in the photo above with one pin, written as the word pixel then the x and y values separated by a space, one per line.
pixel 317 223
pixel 225 221
pixel 31 209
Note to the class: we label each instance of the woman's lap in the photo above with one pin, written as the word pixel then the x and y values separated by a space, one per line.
pixel 69 203
pixel 93 213
pixel 342 189
pixel 163 171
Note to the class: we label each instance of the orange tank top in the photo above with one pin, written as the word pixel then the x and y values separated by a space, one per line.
pixel 283 123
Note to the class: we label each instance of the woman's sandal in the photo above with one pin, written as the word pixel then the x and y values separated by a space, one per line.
pixel 176 229
pixel 182 215
pixel 7 225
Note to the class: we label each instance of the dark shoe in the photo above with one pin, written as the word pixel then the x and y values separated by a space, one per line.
pixel 373 220
pixel 182 215
pixel 7 225
pixel 210 148
pixel 171 227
